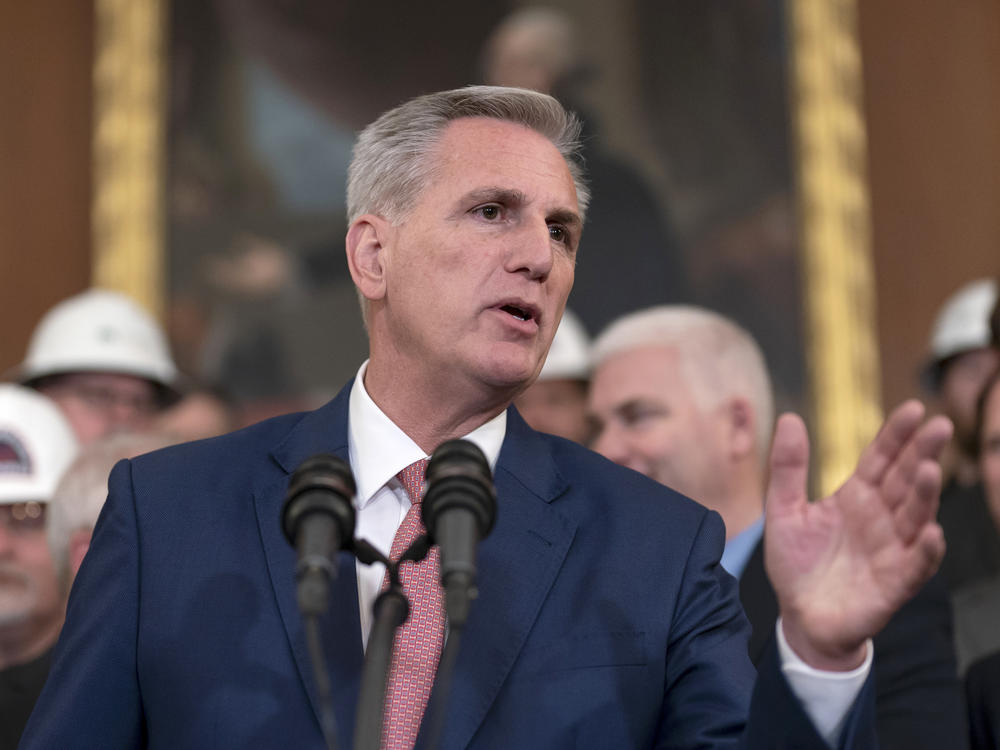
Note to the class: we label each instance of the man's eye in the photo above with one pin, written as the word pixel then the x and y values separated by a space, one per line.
pixel 558 233
pixel 489 212
pixel 640 416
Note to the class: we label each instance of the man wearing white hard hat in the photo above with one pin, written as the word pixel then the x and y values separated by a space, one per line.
pixel 103 360
pixel 36 446
pixel 960 362
pixel 557 401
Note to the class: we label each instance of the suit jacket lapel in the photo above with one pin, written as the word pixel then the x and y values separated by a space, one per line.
pixel 517 565
pixel 321 431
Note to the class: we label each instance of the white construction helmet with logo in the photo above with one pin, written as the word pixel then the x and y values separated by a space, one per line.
pixel 36 445
pixel 569 355
pixel 962 325
pixel 99 331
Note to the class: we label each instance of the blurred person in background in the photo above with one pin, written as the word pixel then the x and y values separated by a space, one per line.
pixel 36 446
pixel 977 605
pixel 683 395
pixel 995 324
pixel 982 695
pixel 77 500
pixel 960 362
pixel 630 254
pixel 557 401
pixel 200 413
pixel 104 361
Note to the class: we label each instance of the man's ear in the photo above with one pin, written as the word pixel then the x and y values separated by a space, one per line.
pixel 741 425
pixel 366 254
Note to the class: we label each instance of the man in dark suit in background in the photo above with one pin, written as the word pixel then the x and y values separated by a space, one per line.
pixel 665 374
pixel 603 619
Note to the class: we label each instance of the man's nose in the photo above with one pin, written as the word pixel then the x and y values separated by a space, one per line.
pixel 530 251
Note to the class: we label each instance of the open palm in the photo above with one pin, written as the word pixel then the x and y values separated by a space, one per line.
pixel 843 565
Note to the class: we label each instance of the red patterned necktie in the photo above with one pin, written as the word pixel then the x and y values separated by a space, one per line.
pixel 417 648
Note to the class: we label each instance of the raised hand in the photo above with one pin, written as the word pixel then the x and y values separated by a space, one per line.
pixel 843 565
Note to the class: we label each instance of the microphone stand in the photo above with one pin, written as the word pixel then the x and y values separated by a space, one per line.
pixel 391 610
pixel 442 688
pixel 327 719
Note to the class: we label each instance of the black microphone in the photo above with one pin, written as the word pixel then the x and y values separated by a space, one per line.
pixel 459 509
pixel 318 518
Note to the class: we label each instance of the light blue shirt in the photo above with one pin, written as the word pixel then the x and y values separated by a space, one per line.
pixel 740 547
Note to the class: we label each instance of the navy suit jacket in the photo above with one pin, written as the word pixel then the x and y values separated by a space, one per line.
pixel 603 619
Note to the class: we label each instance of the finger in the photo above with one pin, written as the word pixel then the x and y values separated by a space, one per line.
pixel 891 439
pixel 935 435
pixel 926 445
pixel 919 508
pixel 786 487
pixel 924 557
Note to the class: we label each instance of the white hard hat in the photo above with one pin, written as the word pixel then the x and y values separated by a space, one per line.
pixel 569 355
pixel 962 325
pixel 36 445
pixel 98 331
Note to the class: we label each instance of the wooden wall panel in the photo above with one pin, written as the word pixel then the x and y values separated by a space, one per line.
pixel 45 93
pixel 932 95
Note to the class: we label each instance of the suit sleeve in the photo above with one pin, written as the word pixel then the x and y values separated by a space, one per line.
pixel 708 676
pixel 92 697
pixel 712 696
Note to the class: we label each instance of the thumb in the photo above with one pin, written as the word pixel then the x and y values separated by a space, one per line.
pixel 786 487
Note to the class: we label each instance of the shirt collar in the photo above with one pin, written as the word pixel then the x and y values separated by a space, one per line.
pixel 379 449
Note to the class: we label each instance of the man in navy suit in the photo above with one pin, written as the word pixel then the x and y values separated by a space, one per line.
pixel 666 373
pixel 603 618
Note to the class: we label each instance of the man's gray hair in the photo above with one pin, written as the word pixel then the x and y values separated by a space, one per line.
pixel 390 166
pixel 80 494
pixel 718 358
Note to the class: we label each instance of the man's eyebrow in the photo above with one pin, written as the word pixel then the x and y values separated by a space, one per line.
pixel 567 218
pixel 505 196
pixel 626 407
pixel 638 403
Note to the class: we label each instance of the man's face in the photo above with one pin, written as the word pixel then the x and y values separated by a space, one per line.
pixel 961 384
pixel 478 273
pixel 29 590
pixel 98 404
pixel 989 456
pixel 646 417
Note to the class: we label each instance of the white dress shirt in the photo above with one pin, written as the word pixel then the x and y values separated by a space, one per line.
pixel 379 450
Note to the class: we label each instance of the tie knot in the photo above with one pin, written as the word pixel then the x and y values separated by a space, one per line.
pixel 412 479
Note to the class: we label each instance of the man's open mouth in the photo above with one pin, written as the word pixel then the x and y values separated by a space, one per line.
pixel 518 312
